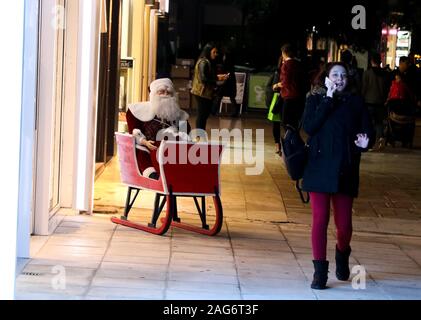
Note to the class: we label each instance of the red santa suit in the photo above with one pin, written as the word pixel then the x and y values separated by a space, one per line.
pixel 146 119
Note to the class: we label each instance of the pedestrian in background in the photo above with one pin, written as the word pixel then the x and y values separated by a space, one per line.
pixel 374 91
pixel 319 67
pixel 229 87
pixel 205 84
pixel 292 86
pixel 354 80
pixel 274 103
pixel 339 129
pixel 401 106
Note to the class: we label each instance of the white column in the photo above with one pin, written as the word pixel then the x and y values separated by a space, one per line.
pixel 153 44
pixel 45 122
pixel 145 76
pixel 137 40
pixel 125 8
pixel 68 176
pixel 88 61
pixel 11 66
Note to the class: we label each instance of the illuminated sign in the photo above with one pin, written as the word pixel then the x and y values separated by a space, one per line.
pixel 126 63
pixel 403 44
pixel 404 39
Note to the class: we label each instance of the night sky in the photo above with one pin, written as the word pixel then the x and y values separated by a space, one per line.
pixel 257 34
pixel 255 30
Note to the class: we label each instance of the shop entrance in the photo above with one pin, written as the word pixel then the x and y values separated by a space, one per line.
pixel 109 85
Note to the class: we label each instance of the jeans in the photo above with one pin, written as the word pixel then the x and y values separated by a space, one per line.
pixel 204 108
pixel 378 114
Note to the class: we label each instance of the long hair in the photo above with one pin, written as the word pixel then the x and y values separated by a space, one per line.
pixel 206 51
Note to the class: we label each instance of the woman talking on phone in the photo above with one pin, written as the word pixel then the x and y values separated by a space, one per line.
pixel 339 129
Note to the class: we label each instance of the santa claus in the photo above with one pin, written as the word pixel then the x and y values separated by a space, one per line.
pixel 149 121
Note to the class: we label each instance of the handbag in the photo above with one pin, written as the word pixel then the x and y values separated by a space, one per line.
pixel 277 108
pixel 274 116
pixel 295 156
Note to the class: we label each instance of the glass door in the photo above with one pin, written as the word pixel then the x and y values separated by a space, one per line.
pixel 56 151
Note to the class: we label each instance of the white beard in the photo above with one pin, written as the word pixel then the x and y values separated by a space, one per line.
pixel 166 108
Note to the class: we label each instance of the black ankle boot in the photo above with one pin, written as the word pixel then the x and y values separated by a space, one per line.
pixel 342 264
pixel 321 268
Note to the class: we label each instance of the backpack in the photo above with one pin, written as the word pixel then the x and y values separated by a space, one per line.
pixel 295 155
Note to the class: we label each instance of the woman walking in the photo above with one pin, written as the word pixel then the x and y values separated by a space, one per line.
pixel 339 129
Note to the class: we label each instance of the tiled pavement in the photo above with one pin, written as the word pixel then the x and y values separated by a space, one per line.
pixel 262 252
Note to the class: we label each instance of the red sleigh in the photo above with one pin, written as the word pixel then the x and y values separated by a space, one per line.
pixel 186 170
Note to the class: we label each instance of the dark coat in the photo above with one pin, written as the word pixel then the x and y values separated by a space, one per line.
pixel 229 87
pixel 334 160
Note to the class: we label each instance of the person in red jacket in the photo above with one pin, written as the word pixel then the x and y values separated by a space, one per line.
pixel 293 86
pixel 399 90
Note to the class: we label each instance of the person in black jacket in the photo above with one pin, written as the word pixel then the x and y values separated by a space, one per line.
pixel 374 90
pixel 339 129
pixel 229 87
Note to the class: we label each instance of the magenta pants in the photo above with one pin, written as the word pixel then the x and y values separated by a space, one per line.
pixel 342 212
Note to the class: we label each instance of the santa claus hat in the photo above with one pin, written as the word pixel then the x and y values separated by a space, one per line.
pixel 163 83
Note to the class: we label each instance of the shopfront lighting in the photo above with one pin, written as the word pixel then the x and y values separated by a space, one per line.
pixel 161 15
pixel 149 3
pixel 158 12
pixel 165 6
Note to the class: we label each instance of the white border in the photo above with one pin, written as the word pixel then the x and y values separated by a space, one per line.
pixel 11 65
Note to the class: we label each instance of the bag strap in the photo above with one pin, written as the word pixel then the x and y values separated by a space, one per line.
pixel 300 124
pixel 300 191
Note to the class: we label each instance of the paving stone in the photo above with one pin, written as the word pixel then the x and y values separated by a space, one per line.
pixel 122 293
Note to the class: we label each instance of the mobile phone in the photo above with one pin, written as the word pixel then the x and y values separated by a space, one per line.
pixel 328 82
